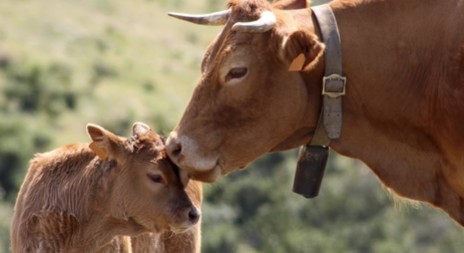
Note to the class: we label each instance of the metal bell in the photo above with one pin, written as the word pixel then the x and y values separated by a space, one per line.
pixel 312 161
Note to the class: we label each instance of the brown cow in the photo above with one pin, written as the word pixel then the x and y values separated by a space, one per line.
pixel 91 198
pixel 403 112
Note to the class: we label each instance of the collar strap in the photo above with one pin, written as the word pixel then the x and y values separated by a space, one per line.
pixel 333 82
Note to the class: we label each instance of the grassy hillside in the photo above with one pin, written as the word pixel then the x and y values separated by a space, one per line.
pixel 126 57
pixel 65 63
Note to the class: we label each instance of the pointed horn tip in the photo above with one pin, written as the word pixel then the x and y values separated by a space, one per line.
pixel 187 17
pixel 215 18
pixel 175 14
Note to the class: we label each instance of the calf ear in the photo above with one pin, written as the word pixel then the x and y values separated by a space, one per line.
pixel 103 141
pixel 303 49
pixel 291 4
pixel 140 128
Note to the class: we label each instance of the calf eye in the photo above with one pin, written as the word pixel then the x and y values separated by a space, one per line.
pixel 236 73
pixel 157 178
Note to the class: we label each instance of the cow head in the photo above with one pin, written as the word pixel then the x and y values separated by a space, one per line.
pixel 140 183
pixel 247 102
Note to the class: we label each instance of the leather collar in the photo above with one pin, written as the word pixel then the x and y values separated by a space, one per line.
pixel 333 83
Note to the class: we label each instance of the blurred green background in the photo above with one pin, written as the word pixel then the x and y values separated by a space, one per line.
pixel 64 63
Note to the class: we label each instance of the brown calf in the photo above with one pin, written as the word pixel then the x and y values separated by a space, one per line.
pixel 90 198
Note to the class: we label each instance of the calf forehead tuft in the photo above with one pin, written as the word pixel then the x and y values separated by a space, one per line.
pixel 149 143
pixel 152 147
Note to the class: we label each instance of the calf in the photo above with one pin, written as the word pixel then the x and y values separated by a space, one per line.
pixel 91 198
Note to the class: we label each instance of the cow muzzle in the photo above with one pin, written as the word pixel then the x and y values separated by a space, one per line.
pixel 184 152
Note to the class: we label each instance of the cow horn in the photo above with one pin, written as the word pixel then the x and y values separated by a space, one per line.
pixel 215 18
pixel 265 23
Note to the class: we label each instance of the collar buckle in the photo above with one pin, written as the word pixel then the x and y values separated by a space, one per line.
pixel 333 85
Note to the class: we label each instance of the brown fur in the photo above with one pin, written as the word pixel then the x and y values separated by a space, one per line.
pixel 403 110
pixel 91 198
pixel 167 242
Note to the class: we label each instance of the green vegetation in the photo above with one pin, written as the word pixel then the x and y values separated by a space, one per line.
pixel 66 63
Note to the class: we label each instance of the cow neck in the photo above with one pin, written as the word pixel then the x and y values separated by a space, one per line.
pixel 313 156
pixel 333 83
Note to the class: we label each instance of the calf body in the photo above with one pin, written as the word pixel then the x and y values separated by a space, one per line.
pixel 91 198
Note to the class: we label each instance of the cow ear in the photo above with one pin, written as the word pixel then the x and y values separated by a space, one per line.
pixel 303 50
pixel 103 141
pixel 291 4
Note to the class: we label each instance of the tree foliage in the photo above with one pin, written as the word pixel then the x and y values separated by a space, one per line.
pixel 353 213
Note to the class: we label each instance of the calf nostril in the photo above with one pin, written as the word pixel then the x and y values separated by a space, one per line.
pixel 194 215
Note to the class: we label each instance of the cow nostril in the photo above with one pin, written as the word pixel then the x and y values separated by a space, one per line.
pixel 174 148
pixel 177 149
pixel 194 215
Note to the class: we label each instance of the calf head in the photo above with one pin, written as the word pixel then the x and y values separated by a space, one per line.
pixel 247 102
pixel 141 184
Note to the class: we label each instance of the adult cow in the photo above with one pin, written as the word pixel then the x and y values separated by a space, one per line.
pixel 403 111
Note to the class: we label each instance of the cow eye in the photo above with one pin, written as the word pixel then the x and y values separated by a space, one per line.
pixel 235 73
pixel 156 178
